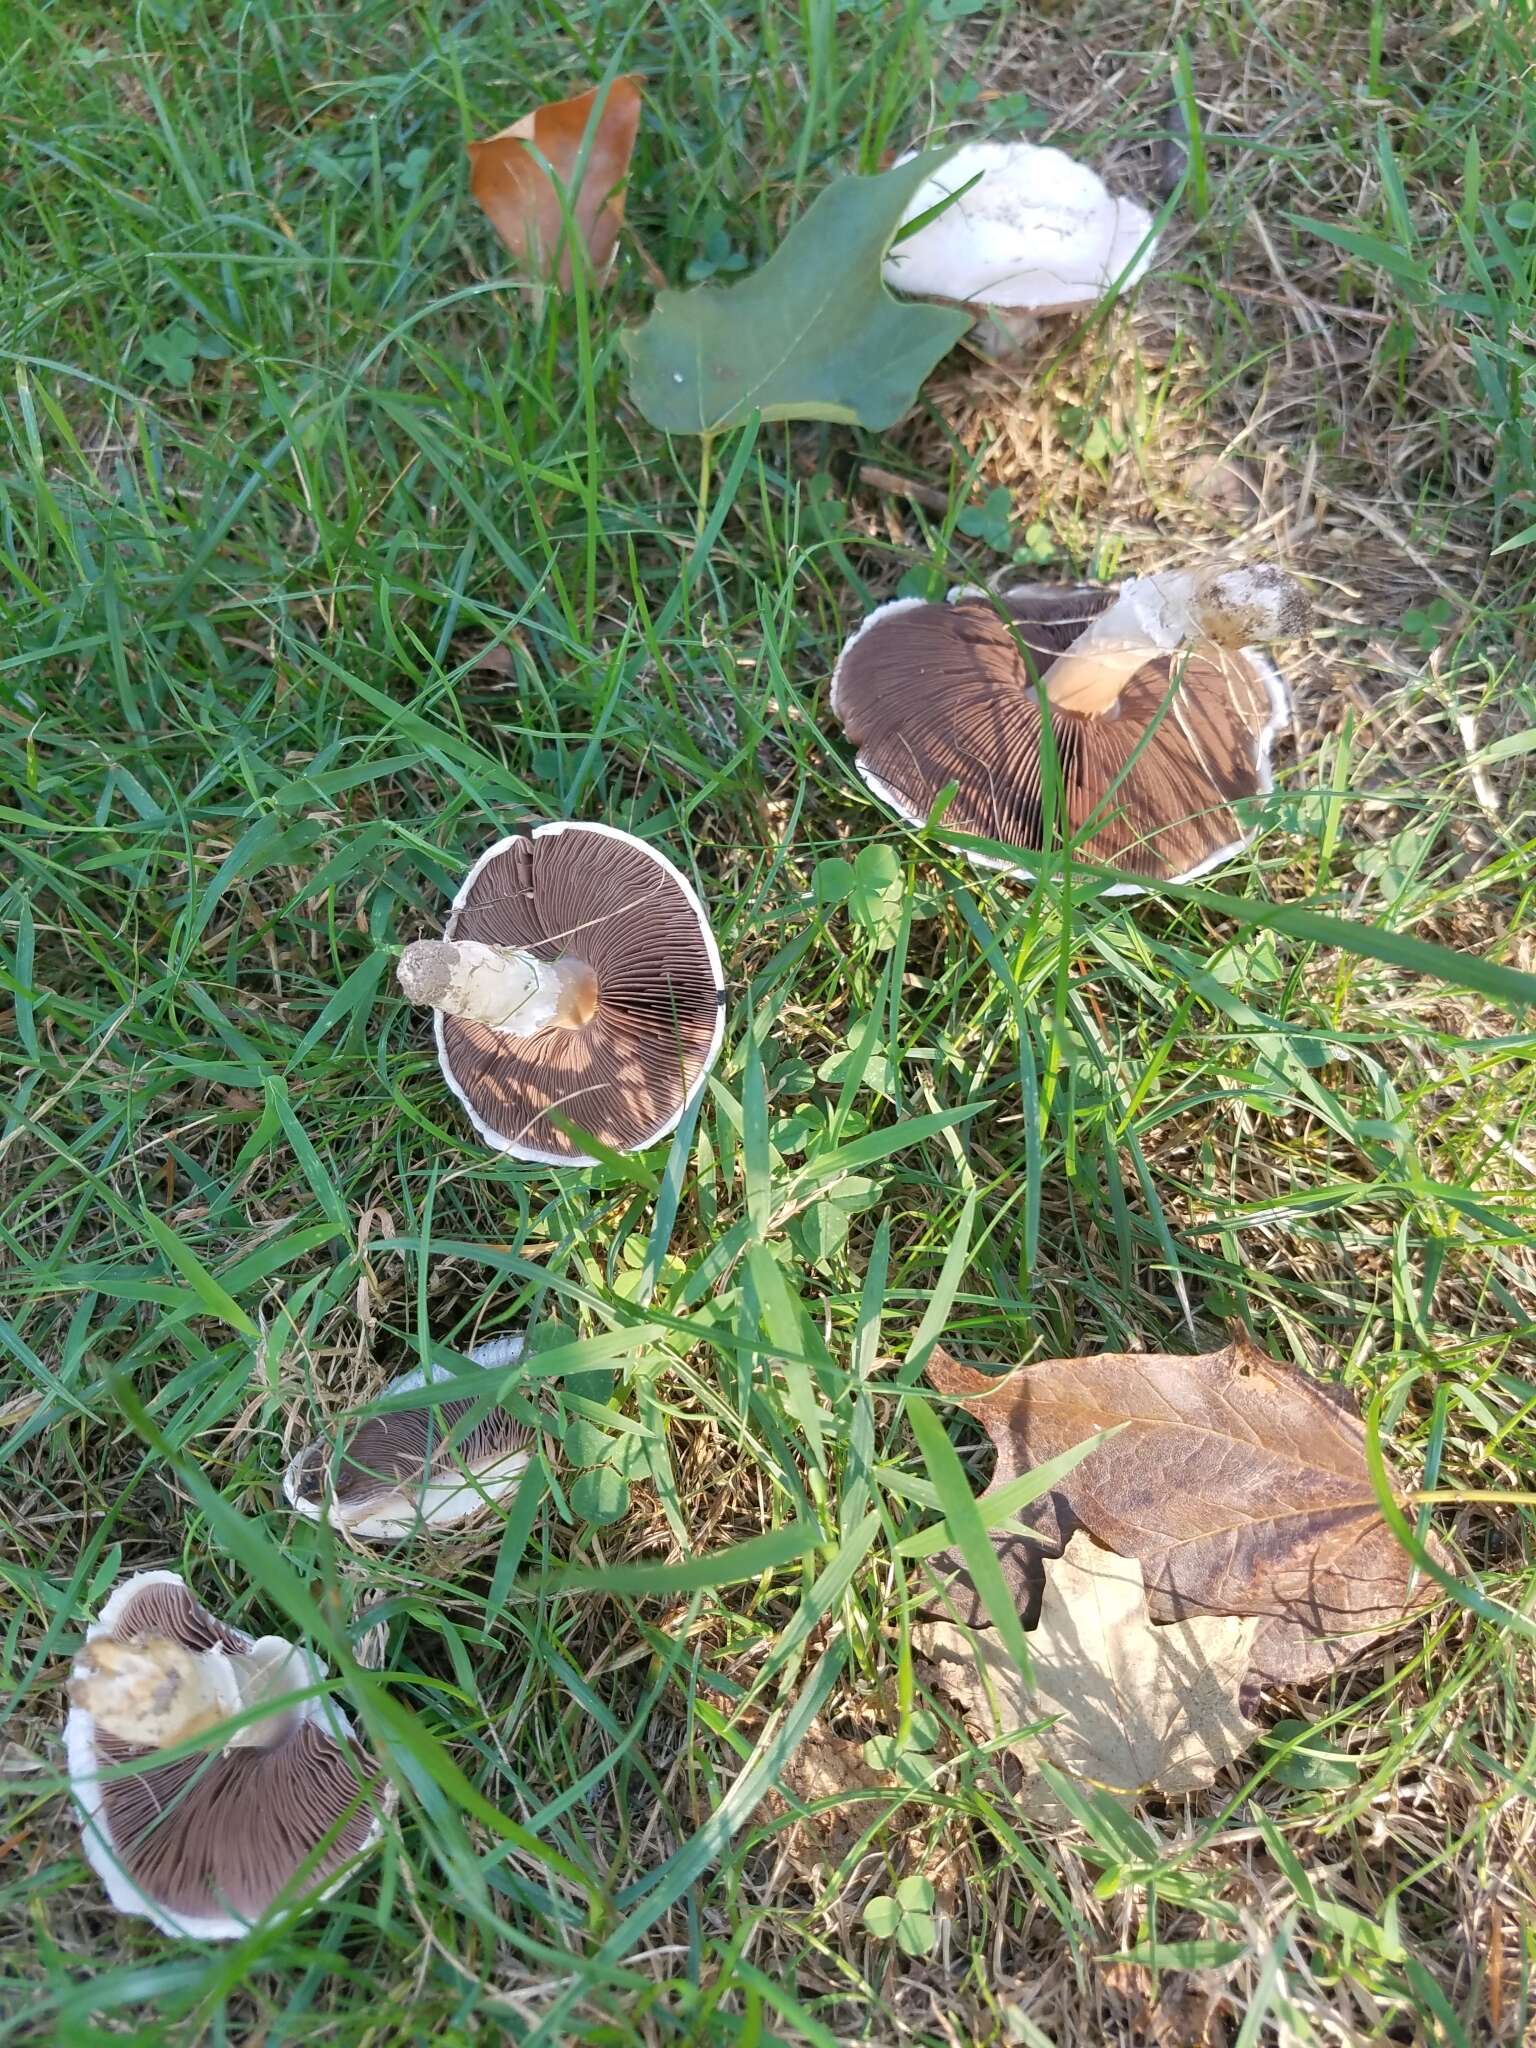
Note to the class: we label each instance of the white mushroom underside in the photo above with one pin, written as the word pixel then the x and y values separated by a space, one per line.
pixel 498 1141
pixel 444 1501
pixel 95 1835
pixel 1019 870
pixel 1039 232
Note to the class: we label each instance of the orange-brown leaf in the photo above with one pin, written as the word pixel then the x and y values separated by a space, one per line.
pixel 1239 1484
pixel 520 200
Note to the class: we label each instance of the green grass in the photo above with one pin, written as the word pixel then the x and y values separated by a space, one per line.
pixel 286 449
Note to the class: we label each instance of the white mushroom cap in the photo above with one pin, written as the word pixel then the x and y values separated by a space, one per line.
pixel 207 1842
pixel 1039 232
pixel 402 1471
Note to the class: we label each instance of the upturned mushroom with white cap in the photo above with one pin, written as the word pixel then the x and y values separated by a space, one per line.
pixel 576 986
pixel 255 1817
pixel 1162 708
pixel 1037 232
pixel 410 1469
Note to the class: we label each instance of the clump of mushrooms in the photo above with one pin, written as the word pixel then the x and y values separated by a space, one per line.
pixel 251 1818
pixel 1162 709
pixel 410 1469
pixel 1036 233
pixel 576 988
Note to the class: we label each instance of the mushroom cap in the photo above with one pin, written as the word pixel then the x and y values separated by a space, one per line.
pixel 629 1073
pixel 1039 232
pixel 392 1475
pixel 934 694
pixel 205 1843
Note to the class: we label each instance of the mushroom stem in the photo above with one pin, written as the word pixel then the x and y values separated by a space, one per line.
pixel 501 987
pixel 1153 615
pixel 153 1692
pixel 1004 333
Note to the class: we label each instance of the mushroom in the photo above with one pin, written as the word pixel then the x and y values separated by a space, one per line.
pixel 577 978
pixel 1037 232
pixel 393 1474
pixel 1162 710
pixel 209 1841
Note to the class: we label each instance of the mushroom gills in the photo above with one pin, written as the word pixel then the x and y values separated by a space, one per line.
pixel 564 891
pixel 502 987
pixel 444 1498
pixel 208 1842
pixel 395 1473
pixel 1162 705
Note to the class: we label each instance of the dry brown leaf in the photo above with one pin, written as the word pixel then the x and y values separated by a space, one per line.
pixel 1173 2010
pixel 824 1766
pixel 1239 1484
pixel 492 657
pixel 520 200
pixel 1140 1708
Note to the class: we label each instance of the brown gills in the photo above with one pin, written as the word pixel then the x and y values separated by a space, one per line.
pixel 387 1454
pixel 627 1071
pixel 212 1835
pixel 940 694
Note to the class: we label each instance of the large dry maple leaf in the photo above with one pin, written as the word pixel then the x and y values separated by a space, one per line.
pixel 1239 1484
pixel 1131 1707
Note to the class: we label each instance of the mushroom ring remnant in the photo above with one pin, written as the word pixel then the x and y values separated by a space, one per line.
pixel 577 983
pixel 393 1474
pixel 273 1811
pixel 1162 709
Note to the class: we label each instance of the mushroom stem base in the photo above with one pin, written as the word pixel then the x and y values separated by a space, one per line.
pixel 1163 614
pixel 501 987
pixel 153 1692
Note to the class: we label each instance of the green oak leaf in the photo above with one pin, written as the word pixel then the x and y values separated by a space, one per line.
pixel 813 335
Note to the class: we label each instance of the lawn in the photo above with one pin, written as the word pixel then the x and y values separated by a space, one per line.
pixel 332 550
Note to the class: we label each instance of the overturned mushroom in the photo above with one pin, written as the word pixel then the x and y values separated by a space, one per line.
pixel 1161 708
pixel 393 1474
pixel 254 1817
pixel 577 987
pixel 1035 233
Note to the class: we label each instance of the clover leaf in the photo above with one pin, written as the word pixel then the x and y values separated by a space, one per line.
pixel 907 1918
pixel 176 351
